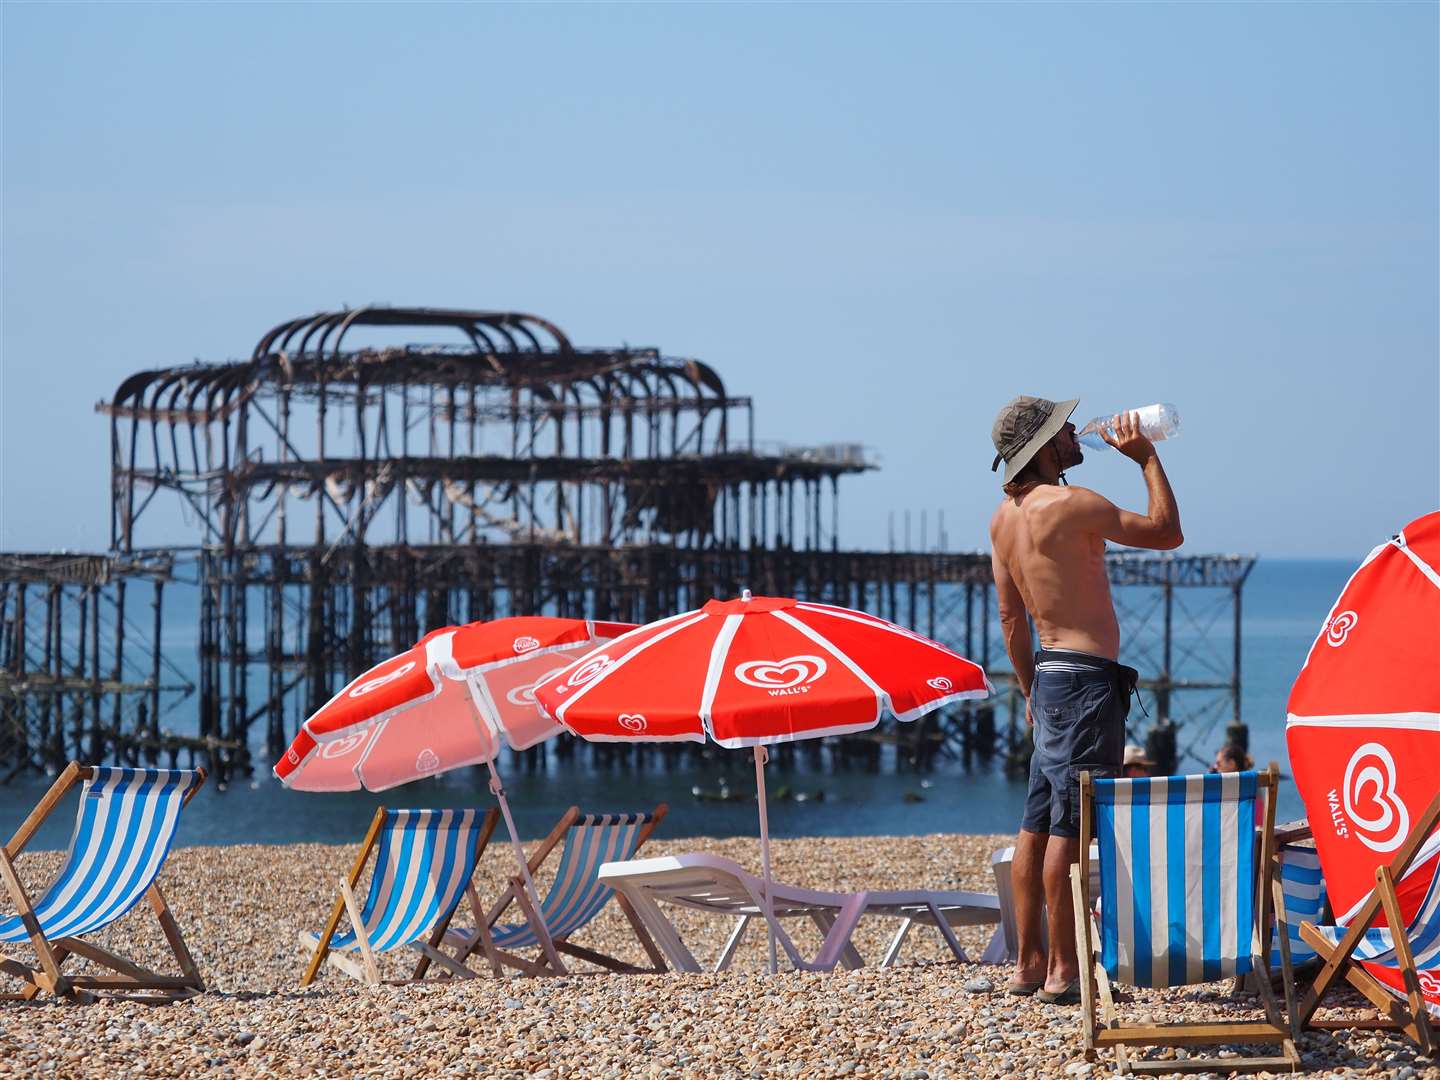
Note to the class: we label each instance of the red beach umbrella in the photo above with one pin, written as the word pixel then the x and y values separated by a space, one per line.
pixel 1363 728
pixel 447 701
pixel 757 671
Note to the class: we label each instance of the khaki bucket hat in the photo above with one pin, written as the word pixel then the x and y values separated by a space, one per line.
pixel 1023 427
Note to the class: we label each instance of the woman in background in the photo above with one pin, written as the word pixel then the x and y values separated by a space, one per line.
pixel 1232 758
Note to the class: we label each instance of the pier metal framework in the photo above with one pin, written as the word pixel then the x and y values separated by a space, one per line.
pixel 351 493
pixel 83 674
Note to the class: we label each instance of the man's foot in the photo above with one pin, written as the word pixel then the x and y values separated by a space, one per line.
pixel 1026 978
pixel 1070 995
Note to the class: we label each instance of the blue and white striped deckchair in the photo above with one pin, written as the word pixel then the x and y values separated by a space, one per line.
pixel 1184 894
pixel 423 869
pixel 575 898
pixel 1303 887
pixel 123 830
pixel 1411 953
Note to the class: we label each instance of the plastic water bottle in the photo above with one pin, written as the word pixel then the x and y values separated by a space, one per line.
pixel 1157 422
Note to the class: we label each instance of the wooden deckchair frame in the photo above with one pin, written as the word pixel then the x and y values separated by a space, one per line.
pixel 1095 991
pixel 1409 1015
pixel 51 954
pixel 368 970
pixel 550 962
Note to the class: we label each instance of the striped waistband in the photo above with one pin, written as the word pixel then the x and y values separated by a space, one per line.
pixel 1072 660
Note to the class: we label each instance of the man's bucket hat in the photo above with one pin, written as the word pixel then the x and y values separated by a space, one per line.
pixel 1023 427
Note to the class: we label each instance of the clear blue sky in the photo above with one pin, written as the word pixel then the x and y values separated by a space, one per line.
pixel 879 221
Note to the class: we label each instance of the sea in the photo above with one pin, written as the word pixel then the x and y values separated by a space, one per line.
pixel 1285 601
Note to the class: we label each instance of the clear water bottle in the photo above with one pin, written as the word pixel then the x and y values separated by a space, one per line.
pixel 1157 422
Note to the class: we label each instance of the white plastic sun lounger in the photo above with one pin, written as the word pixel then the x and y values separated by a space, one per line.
pixel 719 886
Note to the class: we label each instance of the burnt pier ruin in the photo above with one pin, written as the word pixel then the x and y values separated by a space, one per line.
pixel 346 493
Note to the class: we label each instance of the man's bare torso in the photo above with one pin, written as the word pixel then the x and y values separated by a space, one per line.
pixel 1059 568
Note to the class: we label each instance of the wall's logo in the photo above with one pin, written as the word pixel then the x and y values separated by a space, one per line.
pixel 1429 983
pixel 941 683
pixel 1338 628
pixel 589 671
pixel 525 695
pixel 292 757
pixel 526 644
pixel 380 680
pixel 793 675
pixel 1379 816
pixel 633 722
pixel 341 747
pixel 427 761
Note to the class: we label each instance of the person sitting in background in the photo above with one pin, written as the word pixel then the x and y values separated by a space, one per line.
pixel 1232 758
pixel 1136 764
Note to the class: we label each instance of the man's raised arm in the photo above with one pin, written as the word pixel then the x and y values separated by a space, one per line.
pixel 1159 527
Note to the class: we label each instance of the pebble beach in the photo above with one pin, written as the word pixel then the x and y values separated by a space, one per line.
pixel 241 908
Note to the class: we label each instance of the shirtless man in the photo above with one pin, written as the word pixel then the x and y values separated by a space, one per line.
pixel 1048 556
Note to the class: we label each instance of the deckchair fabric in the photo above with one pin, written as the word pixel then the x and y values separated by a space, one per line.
pixel 577 895
pixel 1409 957
pixel 1174 854
pixel 123 831
pixel 1377 946
pixel 1303 883
pixel 425 860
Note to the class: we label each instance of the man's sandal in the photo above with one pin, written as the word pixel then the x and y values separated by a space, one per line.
pixel 1069 996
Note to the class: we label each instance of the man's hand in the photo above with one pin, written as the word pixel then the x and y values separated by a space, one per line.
pixel 1029 717
pixel 1128 438
pixel 1159 528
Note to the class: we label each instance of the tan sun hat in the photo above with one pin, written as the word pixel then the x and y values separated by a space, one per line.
pixel 1023 427
pixel 1134 755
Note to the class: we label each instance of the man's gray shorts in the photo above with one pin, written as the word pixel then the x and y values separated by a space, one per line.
pixel 1079 703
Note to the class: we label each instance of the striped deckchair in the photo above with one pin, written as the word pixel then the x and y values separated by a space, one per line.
pixel 424 867
pixel 123 830
pixel 1355 938
pixel 575 898
pixel 1302 885
pixel 1184 898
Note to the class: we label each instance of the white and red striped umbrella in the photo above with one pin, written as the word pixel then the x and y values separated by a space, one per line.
pixel 446 702
pixel 753 672
pixel 757 671
pixel 1363 726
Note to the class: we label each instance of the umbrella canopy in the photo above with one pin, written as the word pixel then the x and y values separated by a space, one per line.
pixel 1363 728
pixel 757 671
pixel 447 701
pixel 753 672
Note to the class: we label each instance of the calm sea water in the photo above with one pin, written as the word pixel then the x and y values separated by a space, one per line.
pixel 1285 602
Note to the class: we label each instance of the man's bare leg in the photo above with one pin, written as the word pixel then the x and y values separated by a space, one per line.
pixel 1027 876
pixel 1063 968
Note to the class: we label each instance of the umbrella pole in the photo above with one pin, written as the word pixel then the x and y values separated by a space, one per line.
pixel 761 756
pixel 498 790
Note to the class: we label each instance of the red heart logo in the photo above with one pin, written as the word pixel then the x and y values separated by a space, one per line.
pixel 780 674
pixel 1380 817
